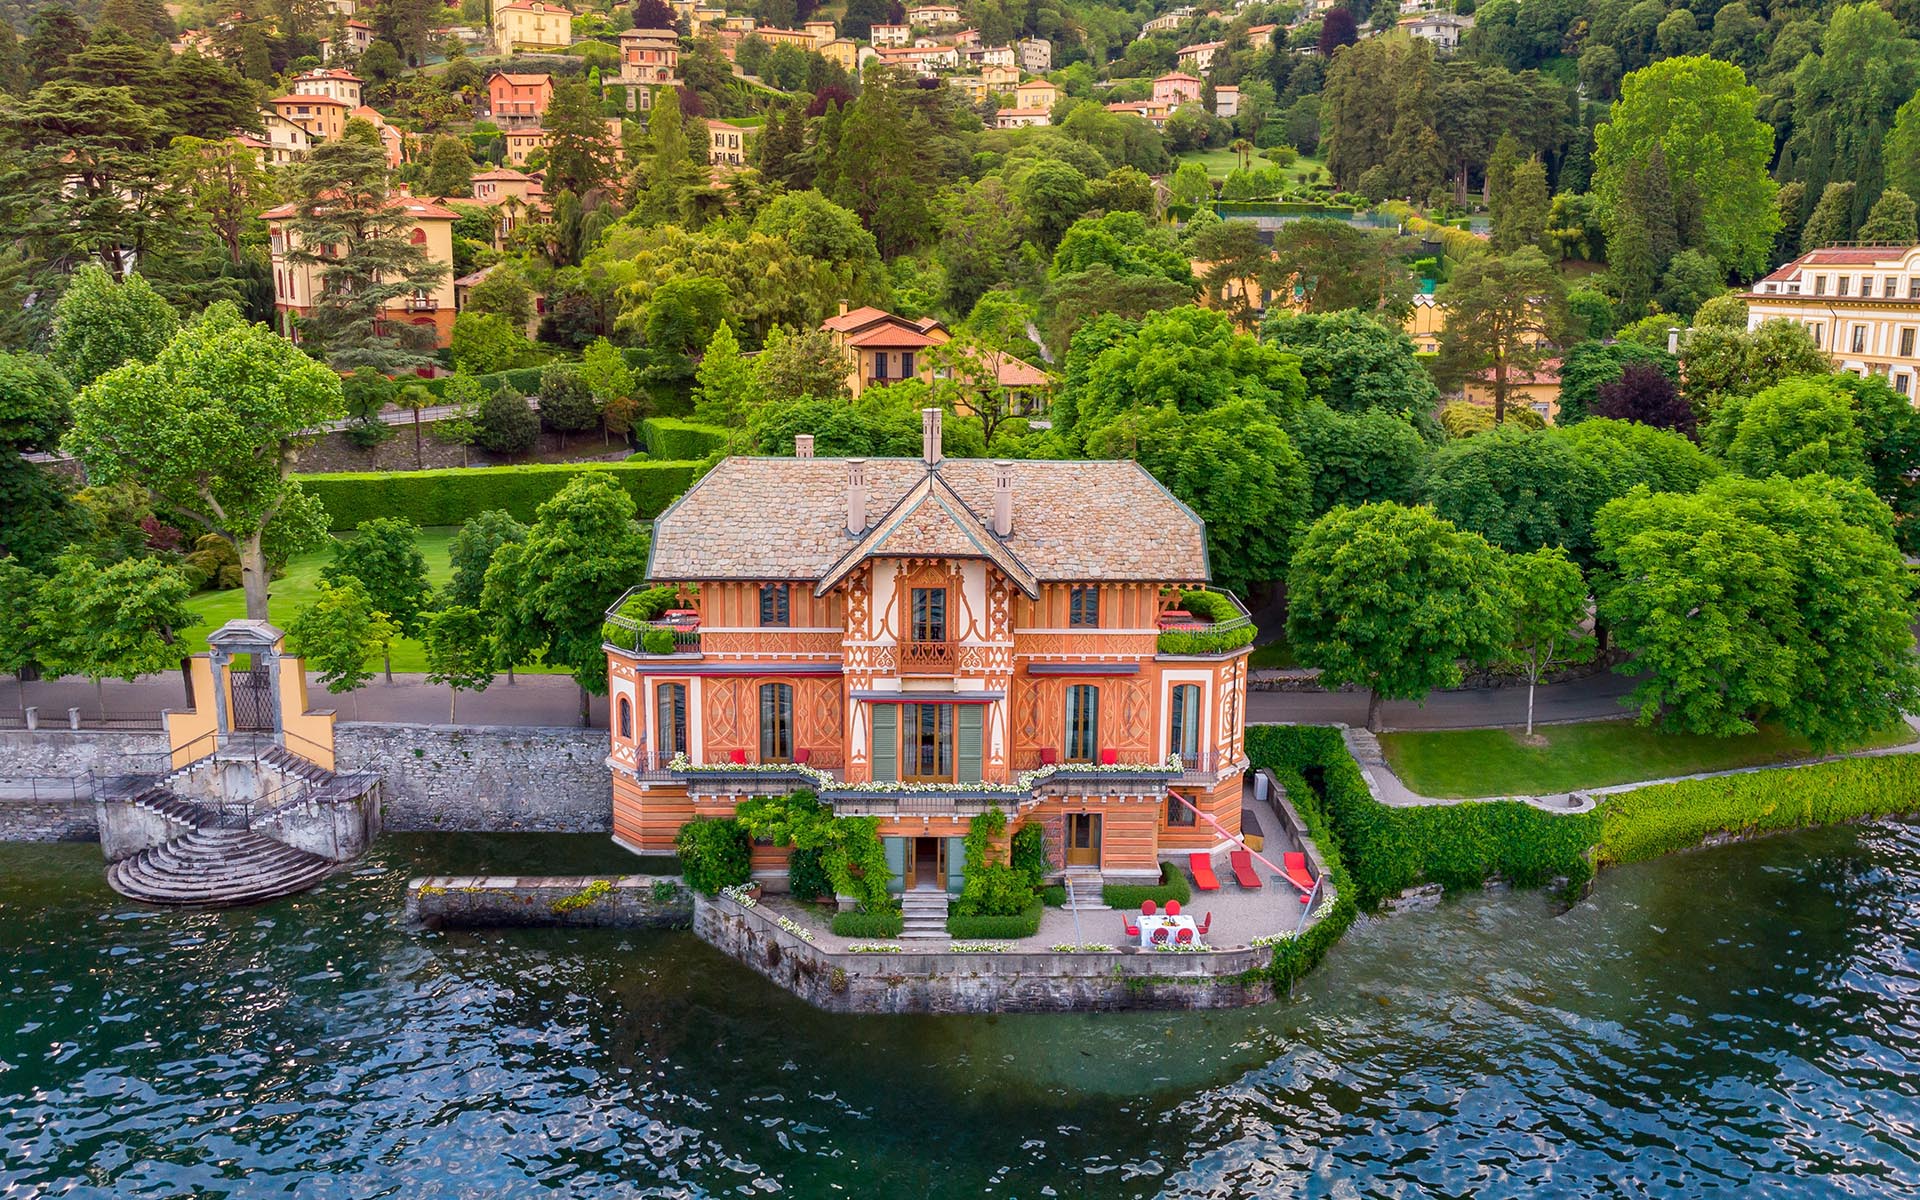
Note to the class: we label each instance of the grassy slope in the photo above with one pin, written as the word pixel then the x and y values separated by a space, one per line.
pixel 1495 762
pixel 298 587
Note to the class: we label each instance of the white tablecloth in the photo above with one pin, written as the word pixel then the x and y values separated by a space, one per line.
pixel 1173 926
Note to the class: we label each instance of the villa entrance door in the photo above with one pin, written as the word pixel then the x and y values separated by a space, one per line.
pixel 252 700
pixel 1083 839
pixel 929 863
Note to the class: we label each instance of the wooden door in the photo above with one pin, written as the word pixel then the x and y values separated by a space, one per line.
pixel 1083 839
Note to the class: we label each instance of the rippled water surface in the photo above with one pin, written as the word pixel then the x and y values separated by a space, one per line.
pixel 1739 1022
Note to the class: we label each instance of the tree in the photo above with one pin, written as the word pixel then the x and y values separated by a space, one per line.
pixel 36 519
pixel 449 167
pixel 115 621
pixel 807 363
pixel 1392 599
pixel 1690 280
pixel 672 172
pixel 484 343
pixel 458 654
pixel 579 158
pixel 1523 219
pixel 355 234
pixel 1844 101
pixel 461 427
pixel 1700 113
pixel 507 424
pixel 1549 603
pixel 99 324
pixel 211 427
pixel 339 633
pixel 19 638
pixel 1521 489
pixel 502 293
pixel 1645 393
pixel 1893 219
pixel 1796 427
pixel 1232 257
pixel 1190 185
pixel 583 551
pixel 472 551
pixel 1890 428
pixel 1751 600
pixel 724 387
pixel 1722 362
pixel 225 187
pixel 1902 148
pixel 567 404
pixel 1332 266
pixel 1589 365
pixel 1337 29
pixel 1353 363
pixel 1358 458
pixel 1502 313
pixel 385 556
pixel 1831 221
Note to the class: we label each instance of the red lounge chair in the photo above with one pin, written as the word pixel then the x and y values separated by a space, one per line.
pixel 1133 931
pixel 1183 938
pixel 1203 876
pixel 737 757
pixel 1206 925
pixel 1243 873
pixel 1173 908
pixel 1148 908
pixel 1296 864
pixel 1109 757
pixel 1160 936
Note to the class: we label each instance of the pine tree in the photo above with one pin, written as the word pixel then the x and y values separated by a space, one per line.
pixel 1522 219
pixel 672 172
pixel 1831 221
pixel 578 156
pixel 1644 239
pixel 449 168
pixel 356 234
pixel 724 387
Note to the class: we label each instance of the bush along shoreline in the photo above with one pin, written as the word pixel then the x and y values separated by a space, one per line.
pixel 1375 852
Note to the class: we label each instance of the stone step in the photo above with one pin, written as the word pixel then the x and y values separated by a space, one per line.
pixel 217 867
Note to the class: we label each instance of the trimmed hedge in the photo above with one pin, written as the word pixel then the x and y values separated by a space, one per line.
pixel 1657 820
pixel 683 441
pixel 977 928
pixel 525 380
pixel 449 496
pixel 1457 845
pixel 1281 750
pixel 869 924
pixel 1130 896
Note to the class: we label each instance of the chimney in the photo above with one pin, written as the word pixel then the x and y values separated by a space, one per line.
pixel 1002 498
pixel 843 308
pixel 930 436
pixel 856 496
pixel 803 445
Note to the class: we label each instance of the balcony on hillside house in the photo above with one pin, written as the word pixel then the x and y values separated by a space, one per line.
pixel 1206 623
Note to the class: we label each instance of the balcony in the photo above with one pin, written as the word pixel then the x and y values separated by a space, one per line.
pixel 738 776
pixel 1209 623
pixel 638 624
pixel 928 658
pixel 422 304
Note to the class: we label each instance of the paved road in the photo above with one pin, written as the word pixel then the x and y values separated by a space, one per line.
pixel 554 700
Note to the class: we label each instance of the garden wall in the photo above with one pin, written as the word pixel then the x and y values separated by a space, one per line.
pixel 45 795
pixel 495 901
pixel 941 982
pixel 483 778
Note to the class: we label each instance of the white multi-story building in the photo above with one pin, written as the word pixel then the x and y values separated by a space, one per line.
pixel 1860 303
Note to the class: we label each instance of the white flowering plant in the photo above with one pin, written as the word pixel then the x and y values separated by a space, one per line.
pixel 1022 785
pixel 1271 939
pixel 1083 948
pixel 980 948
pixel 875 948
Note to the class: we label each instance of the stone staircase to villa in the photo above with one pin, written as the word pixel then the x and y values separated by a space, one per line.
pixel 1085 892
pixel 926 913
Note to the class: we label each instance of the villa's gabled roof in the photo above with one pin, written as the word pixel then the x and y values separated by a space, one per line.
pixel 931 522
pixel 786 518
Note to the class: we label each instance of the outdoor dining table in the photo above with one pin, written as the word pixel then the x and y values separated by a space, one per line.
pixel 1173 926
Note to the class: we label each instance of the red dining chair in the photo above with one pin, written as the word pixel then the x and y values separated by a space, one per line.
pixel 802 756
pixel 1160 936
pixel 1109 757
pixel 1133 931
pixel 1205 925
pixel 1148 908
pixel 1173 908
pixel 1048 756
pixel 1183 938
pixel 737 757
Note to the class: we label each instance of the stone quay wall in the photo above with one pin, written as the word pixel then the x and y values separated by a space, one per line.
pixel 46 792
pixel 582 901
pixel 944 982
pixel 483 778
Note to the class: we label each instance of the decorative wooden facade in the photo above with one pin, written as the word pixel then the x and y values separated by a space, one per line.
pixel 923 639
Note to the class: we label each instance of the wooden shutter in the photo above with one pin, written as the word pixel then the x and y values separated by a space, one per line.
pixel 886 742
pixel 966 730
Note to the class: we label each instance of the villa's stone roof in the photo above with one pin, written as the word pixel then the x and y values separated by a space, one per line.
pixel 785 518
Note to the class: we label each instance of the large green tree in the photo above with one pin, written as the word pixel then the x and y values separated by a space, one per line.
pixel 1845 98
pixel 100 323
pixel 338 634
pixel 36 519
pixel 1720 361
pixel 471 553
pixel 385 556
pixel 1353 363
pixel 1796 427
pixel 1521 489
pixel 1503 314
pixel 212 428
pixel 118 621
pixel 1358 458
pixel 1549 606
pixel 1393 599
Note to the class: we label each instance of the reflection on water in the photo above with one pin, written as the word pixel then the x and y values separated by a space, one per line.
pixel 1717 1024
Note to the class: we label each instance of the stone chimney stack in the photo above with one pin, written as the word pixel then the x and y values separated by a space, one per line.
pixel 803 445
pixel 856 496
pixel 1002 498
pixel 843 308
pixel 930 436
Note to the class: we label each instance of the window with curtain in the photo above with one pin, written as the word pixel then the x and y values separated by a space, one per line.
pixel 1183 722
pixel 626 717
pixel 1178 813
pixel 1083 722
pixel 774 599
pixel 928 618
pixel 1083 608
pixel 670 712
pixel 776 722
pixel 926 743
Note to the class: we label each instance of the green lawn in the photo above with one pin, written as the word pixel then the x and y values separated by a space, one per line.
pixel 297 588
pixel 1496 762
pixel 1276 653
pixel 1219 162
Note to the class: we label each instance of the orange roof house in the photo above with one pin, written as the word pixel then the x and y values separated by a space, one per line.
pixel 295 284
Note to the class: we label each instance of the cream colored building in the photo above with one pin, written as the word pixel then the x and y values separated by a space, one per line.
pixel 1860 303
pixel 844 51
pixel 295 284
pixel 329 81
pixel 726 145
pixel 1036 93
pixel 532 25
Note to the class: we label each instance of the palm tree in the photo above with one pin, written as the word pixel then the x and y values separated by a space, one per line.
pixel 1244 149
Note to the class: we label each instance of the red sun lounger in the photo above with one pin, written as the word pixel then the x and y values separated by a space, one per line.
pixel 1243 872
pixel 1203 876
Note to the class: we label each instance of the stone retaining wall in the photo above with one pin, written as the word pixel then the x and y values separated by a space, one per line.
pixel 483 778
pixel 23 819
pixel 63 752
pixel 942 982
pixel 491 901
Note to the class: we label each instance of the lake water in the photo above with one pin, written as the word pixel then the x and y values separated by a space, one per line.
pixel 1732 1023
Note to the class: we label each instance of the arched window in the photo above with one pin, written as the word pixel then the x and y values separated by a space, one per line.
pixel 419 237
pixel 626 718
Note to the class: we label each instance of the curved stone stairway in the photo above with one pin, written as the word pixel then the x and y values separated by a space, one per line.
pixel 212 865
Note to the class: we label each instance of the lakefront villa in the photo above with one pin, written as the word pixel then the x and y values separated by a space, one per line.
pixel 926 639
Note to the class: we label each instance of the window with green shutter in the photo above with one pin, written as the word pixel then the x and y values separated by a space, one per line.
pixel 967 726
pixel 885 719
